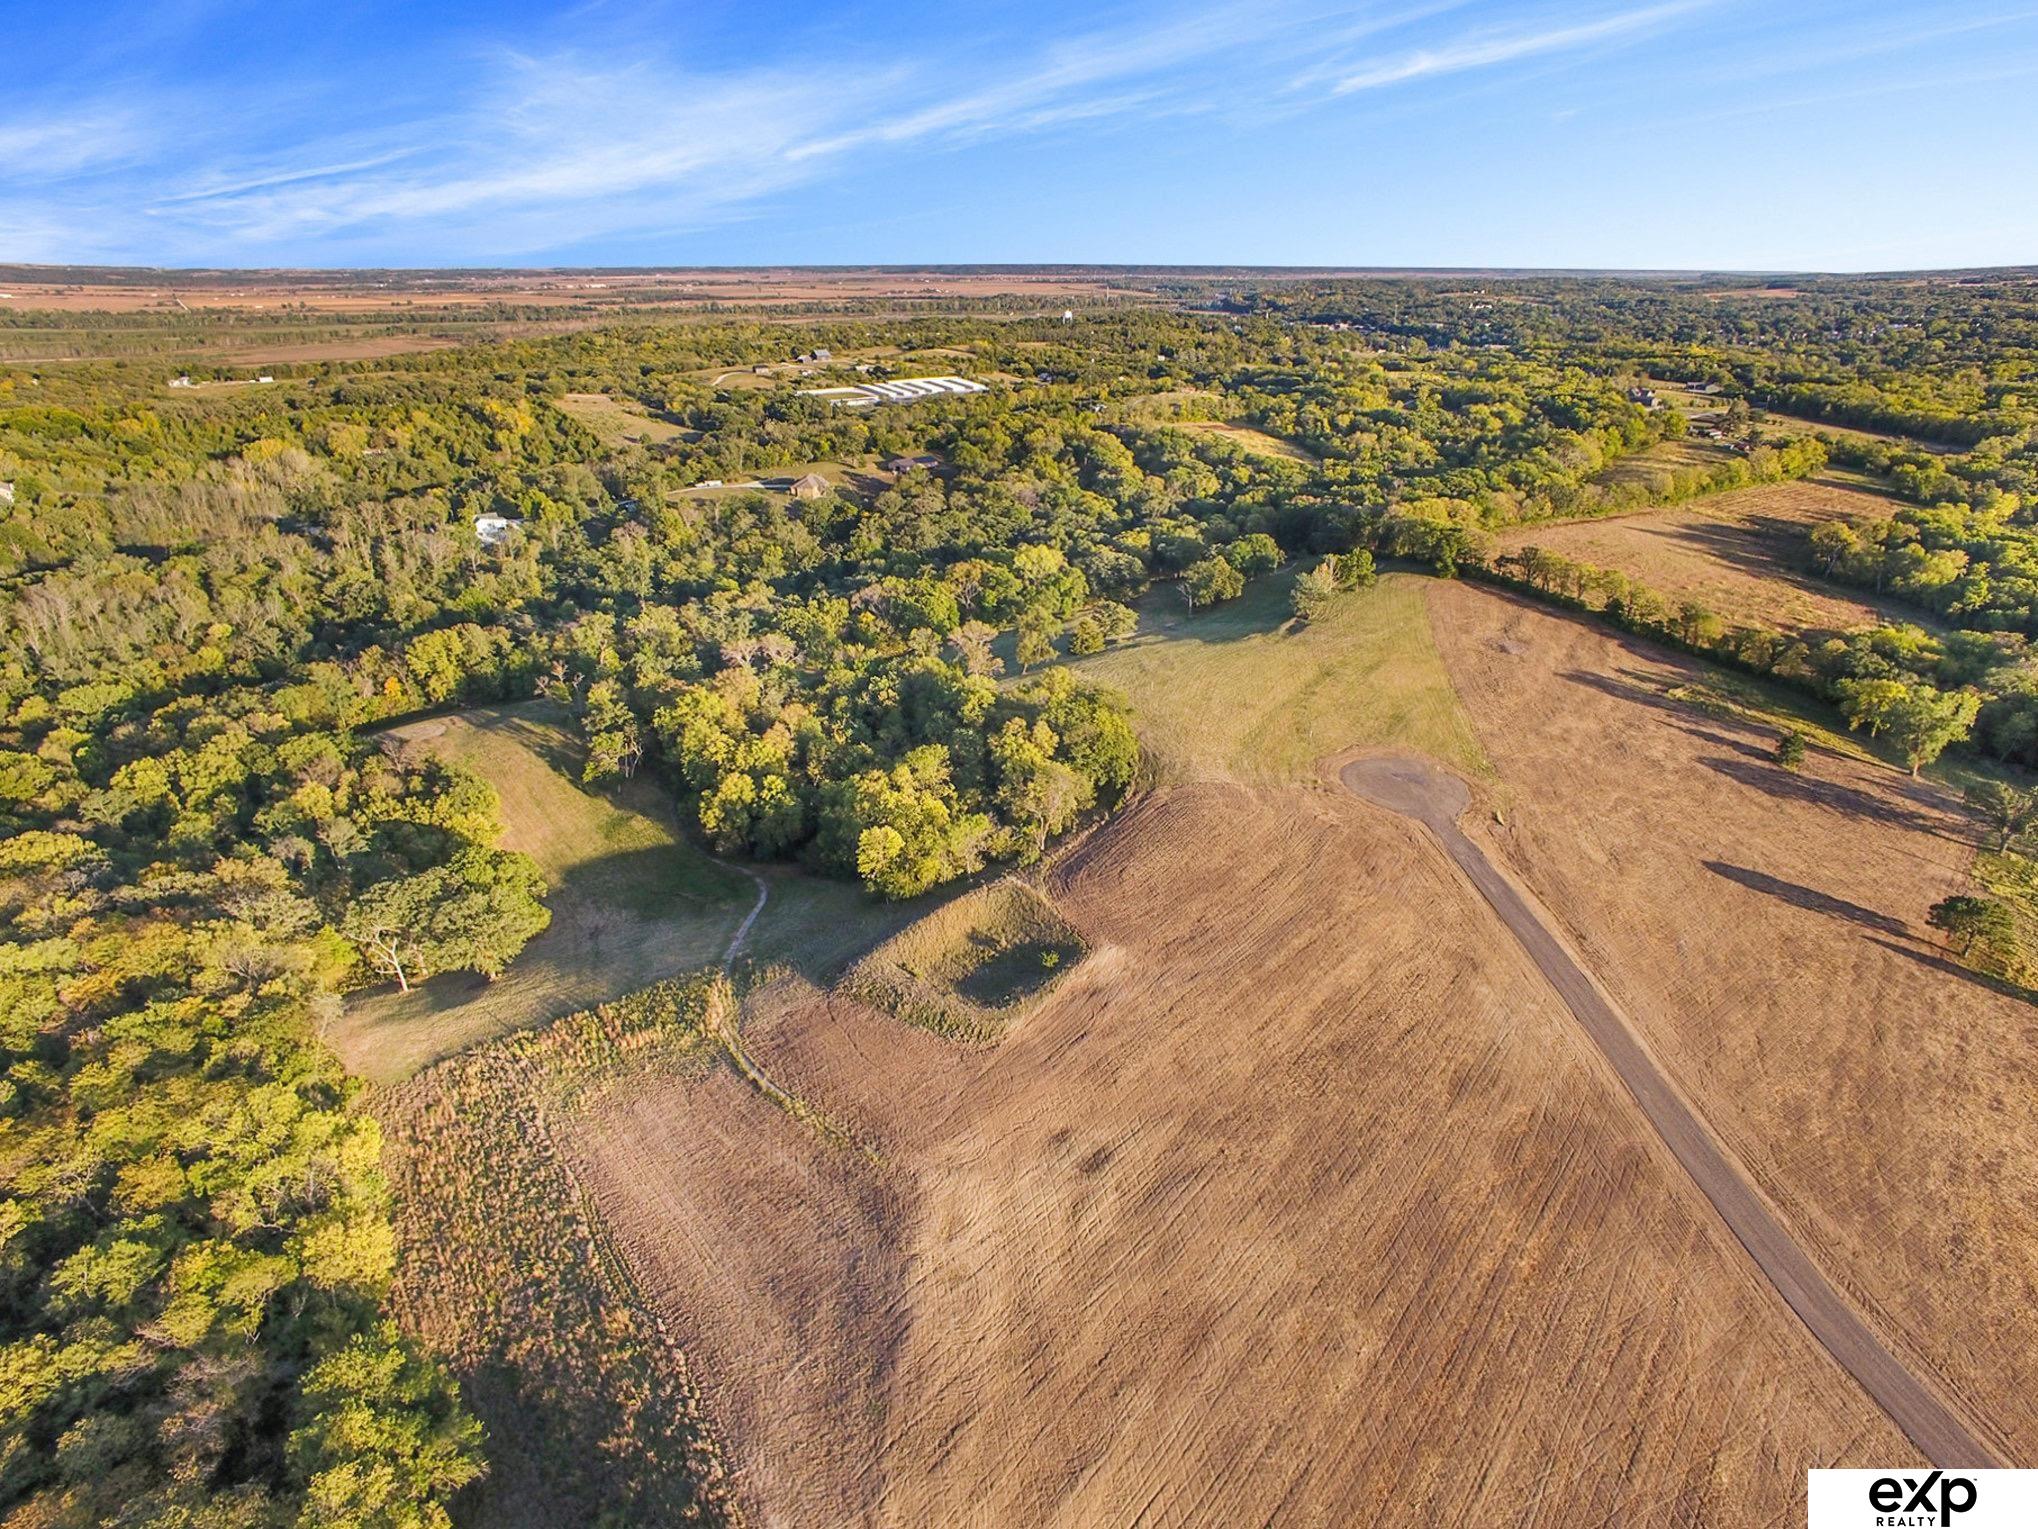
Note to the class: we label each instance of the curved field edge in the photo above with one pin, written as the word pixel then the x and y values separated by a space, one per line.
pixel 972 968
pixel 507 1273
pixel 634 900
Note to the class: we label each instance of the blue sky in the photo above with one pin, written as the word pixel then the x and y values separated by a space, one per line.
pixel 1722 134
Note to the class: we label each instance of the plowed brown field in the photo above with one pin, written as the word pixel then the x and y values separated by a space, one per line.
pixel 1762 930
pixel 1302 1200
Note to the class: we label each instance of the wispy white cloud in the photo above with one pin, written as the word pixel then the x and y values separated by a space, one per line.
pixel 261 182
pixel 1491 49
pixel 526 153
pixel 70 141
pixel 544 152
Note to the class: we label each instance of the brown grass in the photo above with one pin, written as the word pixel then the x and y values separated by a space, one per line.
pixel 1766 931
pixel 591 1413
pixel 1741 553
pixel 1282 1205
pixel 1302 1190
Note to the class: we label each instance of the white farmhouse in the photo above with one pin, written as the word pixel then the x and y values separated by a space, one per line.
pixel 494 530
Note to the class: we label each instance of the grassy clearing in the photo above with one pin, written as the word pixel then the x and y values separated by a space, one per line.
pixel 620 421
pixel 1653 465
pixel 1239 692
pixel 972 967
pixel 1257 441
pixel 508 1274
pixel 632 901
pixel 848 477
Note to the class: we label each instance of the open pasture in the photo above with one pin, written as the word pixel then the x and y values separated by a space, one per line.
pixel 1742 554
pixel 1240 691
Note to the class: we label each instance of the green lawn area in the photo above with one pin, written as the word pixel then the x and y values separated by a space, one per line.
pixel 1240 692
pixel 632 901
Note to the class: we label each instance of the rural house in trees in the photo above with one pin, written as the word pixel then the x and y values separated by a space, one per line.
pixel 494 530
pixel 812 486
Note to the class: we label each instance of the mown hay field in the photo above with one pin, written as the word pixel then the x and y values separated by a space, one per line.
pixel 1742 554
pixel 1766 931
pixel 1301 1188
pixel 1299 1193
pixel 1241 692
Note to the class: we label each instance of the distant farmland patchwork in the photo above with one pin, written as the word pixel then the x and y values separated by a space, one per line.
pixel 1014 897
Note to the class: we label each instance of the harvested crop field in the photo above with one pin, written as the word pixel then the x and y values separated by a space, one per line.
pixel 1741 554
pixel 1277 1206
pixel 1764 931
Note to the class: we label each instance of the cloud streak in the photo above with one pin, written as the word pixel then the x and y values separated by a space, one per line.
pixel 1489 51
pixel 549 150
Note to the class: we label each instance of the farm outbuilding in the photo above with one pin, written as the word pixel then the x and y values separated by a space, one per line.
pixel 864 395
pixel 494 530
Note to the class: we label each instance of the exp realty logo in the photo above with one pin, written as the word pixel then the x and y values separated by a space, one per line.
pixel 1913 1499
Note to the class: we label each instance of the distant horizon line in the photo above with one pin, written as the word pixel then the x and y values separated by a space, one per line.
pixel 62 273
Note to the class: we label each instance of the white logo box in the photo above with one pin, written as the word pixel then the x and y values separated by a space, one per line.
pixel 1917 1497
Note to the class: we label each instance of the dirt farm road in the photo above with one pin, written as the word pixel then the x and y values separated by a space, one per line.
pixel 1417 789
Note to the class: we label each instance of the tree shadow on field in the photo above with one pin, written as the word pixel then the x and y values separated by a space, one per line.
pixel 1767 547
pixel 543 727
pixel 1940 963
pixel 1722 741
pixel 1846 800
pixel 1806 897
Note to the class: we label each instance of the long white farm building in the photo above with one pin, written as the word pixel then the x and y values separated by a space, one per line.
pixel 866 395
